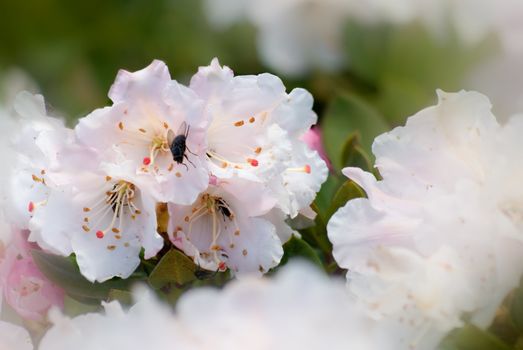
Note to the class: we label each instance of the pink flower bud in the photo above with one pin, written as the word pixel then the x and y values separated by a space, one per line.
pixel 313 139
pixel 25 288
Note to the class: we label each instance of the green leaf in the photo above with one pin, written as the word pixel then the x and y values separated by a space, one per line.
pixel 349 190
pixel 472 338
pixel 73 307
pixel 401 97
pixel 354 155
pixel 66 274
pixel 346 116
pixel 324 196
pixel 174 267
pixel 124 297
pixel 516 309
pixel 297 247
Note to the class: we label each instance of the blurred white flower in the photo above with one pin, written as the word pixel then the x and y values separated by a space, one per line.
pixel 473 20
pixel 299 309
pixel 294 36
pixel 156 125
pixel 13 337
pixel 440 236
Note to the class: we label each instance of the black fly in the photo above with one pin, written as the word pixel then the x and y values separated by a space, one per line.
pixel 223 207
pixel 178 146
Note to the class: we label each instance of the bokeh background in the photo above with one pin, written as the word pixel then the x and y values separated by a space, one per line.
pixel 72 50
pixel 369 64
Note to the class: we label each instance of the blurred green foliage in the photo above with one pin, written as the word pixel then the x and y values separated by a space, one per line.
pixel 73 49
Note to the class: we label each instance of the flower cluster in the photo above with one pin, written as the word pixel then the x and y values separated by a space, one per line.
pixel 440 237
pixel 222 156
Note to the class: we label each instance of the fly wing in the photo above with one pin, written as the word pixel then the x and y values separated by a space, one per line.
pixel 182 129
pixel 170 137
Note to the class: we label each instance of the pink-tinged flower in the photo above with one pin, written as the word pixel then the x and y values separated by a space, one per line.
pixel 439 238
pixel 101 216
pixel 225 228
pixel 242 139
pixel 255 134
pixel 313 139
pixel 25 288
pixel 156 126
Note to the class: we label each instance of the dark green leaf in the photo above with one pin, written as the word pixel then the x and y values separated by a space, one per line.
pixel 350 115
pixel 349 190
pixel 297 247
pixel 73 307
pixel 516 310
pixel 327 191
pixel 174 267
pixel 472 338
pixel 354 155
pixel 124 297
pixel 65 273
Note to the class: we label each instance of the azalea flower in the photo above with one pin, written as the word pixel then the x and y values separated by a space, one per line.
pixel 224 228
pixel 25 288
pixel 32 147
pixel 440 236
pixel 294 36
pixel 255 134
pixel 143 128
pixel 60 191
pixel 105 218
pixel 252 313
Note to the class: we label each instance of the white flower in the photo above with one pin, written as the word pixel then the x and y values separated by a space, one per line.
pixel 59 191
pixel 294 36
pixel 224 228
pixel 14 337
pixel 255 134
pixel 148 324
pixel 473 20
pixel 441 234
pixel 143 126
pixel 299 309
pixel 35 143
pixel 100 215
pixel 298 185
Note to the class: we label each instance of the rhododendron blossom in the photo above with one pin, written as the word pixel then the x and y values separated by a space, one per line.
pixel 150 110
pixel 224 229
pixel 441 234
pixel 25 288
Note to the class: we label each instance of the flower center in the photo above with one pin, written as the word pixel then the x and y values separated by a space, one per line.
pixel 116 204
pixel 226 150
pixel 221 215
